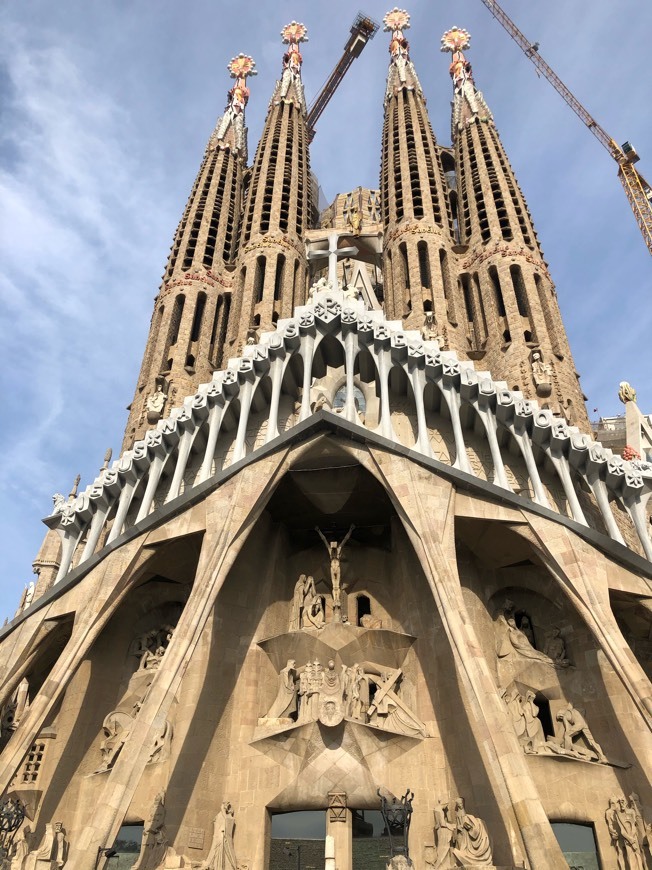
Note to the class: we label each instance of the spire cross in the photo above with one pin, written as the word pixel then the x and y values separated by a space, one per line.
pixel 333 254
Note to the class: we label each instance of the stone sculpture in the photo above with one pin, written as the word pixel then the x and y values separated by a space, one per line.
pixel 313 693
pixel 555 648
pixel 514 641
pixel 304 593
pixel 51 854
pixel 523 713
pixel 21 848
pixel 461 837
pixel 628 833
pixel 541 375
pixel 285 703
pixel 626 392
pixel 155 404
pixel 154 845
pixel 575 727
pixel 117 728
pixel 222 852
pixel 335 555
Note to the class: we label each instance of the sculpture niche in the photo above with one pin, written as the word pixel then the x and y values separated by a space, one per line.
pixel 514 642
pixel 523 713
pixel 462 839
pixel 149 649
pixel 369 695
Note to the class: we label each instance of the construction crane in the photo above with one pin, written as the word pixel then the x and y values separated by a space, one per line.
pixel 363 29
pixel 639 192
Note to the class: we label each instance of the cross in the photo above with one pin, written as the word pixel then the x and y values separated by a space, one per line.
pixel 333 254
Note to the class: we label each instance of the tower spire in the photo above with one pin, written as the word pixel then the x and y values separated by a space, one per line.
pixel 230 131
pixel 190 319
pixel 416 205
pixel 510 305
pixel 468 102
pixel 271 267
pixel 402 73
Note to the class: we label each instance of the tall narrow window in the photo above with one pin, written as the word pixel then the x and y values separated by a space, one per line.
pixel 199 315
pixel 259 279
pixel 424 265
pixel 498 291
pixel 278 278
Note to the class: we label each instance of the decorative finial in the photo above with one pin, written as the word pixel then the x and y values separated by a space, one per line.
pixel 107 459
pixel 290 88
pixel 239 68
pixel 626 393
pixel 469 105
pixel 294 33
pixel 455 39
pixel 75 487
pixel 396 20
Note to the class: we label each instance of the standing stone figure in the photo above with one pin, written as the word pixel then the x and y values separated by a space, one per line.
pixel 304 592
pixel 155 842
pixel 445 832
pixel 632 852
pixel 534 739
pixel 21 846
pixel 335 554
pixel 285 703
pixel 222 852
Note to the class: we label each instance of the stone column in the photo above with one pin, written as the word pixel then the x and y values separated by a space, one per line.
pixel 339 826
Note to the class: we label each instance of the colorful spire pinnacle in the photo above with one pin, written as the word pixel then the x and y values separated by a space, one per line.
pixel 239 68
pixel 396 21
pixel 401 70
pixel 293 34
pixel 469 104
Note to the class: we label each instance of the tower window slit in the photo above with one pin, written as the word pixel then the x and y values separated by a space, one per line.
pixel 424 265
pixel 198 317
pixel 278 278
pixel 498 292
pixel 259 279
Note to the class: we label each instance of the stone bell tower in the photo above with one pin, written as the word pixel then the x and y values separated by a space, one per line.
pixel 417 217
pixel 271 266
pixel 512 317
pixel 191 312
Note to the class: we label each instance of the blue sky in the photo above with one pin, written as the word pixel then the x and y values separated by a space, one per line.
pixel 106 110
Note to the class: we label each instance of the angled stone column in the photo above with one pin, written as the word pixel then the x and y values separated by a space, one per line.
pixel 423 498
pixel 231 513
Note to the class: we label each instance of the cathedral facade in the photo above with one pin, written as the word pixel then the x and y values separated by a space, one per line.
pixel 360 551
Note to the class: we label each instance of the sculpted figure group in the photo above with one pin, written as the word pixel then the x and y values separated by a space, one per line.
pixel 313 692
pixel 462 839
pixel 150 649
pixel 523 712
pixel 518 641
pixel 51 853
pixel 630 835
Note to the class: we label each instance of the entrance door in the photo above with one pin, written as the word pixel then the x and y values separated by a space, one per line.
pixel 298 841
pixel 370 842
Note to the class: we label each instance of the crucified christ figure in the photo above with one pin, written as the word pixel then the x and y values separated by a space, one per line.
pixel 334 554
